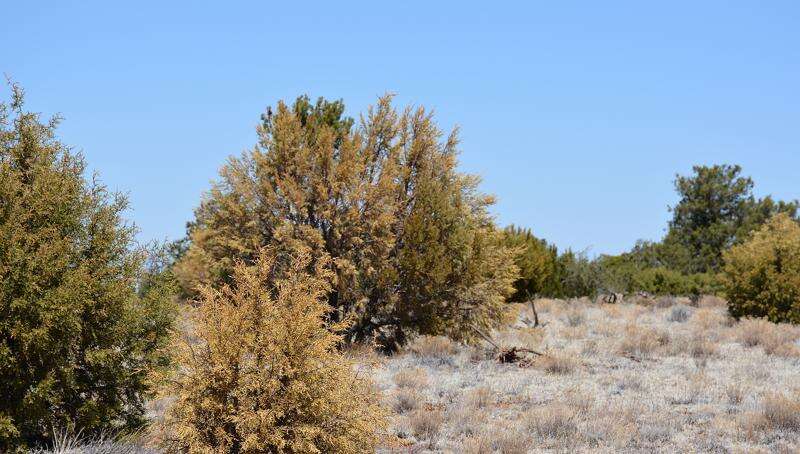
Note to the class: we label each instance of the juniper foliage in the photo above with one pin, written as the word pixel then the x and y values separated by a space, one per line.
pixel 762 275
pixel 413 247
pixel 261 371
pixel 82 320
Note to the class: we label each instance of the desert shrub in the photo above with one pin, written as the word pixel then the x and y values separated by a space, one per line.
pixel 762 275
pixel 82 320
pixel 261 371
pixel 414 247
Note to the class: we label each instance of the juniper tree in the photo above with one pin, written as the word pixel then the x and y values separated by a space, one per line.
pixel 413 246
pixel 82 321
pixel 717 209
pixel 537 262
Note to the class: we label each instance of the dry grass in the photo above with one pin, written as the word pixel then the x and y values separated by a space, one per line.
pixel 679 314
pixel 557 364
pixel 437 348
pixel 411 378
pixel 407 400
pixel 776 414
pixel 616 378
pixel 642 342
pixel 735 393
pixel 775 339
pixel 425 424
pixel 781 412
pixel 552 421
pixel 481 397
pixel 66 442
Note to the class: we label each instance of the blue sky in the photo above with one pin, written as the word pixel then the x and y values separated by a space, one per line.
pixel 576 114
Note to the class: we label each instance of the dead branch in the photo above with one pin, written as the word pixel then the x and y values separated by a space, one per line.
pixel 485 337
pixel 535 314
pixel 509 355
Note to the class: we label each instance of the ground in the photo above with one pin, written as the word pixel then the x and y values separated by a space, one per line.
pixel 648 375
pixel 644 375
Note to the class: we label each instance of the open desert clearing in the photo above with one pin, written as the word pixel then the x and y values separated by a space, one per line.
pixel 643 376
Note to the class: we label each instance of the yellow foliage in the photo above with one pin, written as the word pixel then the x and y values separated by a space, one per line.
pixel 261 371
pixel 762 275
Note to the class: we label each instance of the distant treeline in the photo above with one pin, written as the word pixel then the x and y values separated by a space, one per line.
pixel 716 211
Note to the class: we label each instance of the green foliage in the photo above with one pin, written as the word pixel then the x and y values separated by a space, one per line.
pixel 578 275
pixel 537 262
pixel 261 371
pixel 716 210
pixel 413 246
pixel 762 275
pixel 664 281
pixel 641 270
pixel 82 320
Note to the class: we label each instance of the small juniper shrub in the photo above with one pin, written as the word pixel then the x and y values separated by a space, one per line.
pixel 762 275
pixel 252 380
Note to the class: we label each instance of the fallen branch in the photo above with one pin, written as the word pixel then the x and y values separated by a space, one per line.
pixel 515 355
pixel 509 355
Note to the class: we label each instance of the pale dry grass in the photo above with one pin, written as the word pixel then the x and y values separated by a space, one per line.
pixel 642 341
pixel 557 363
pixel 407 400
pixel 615 378
pixel 411 378
pixel 776 413
pixel 425 425
pixel 775 339
pixel 433 347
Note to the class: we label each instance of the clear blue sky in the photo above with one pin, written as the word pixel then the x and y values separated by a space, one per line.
pixel 576 114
